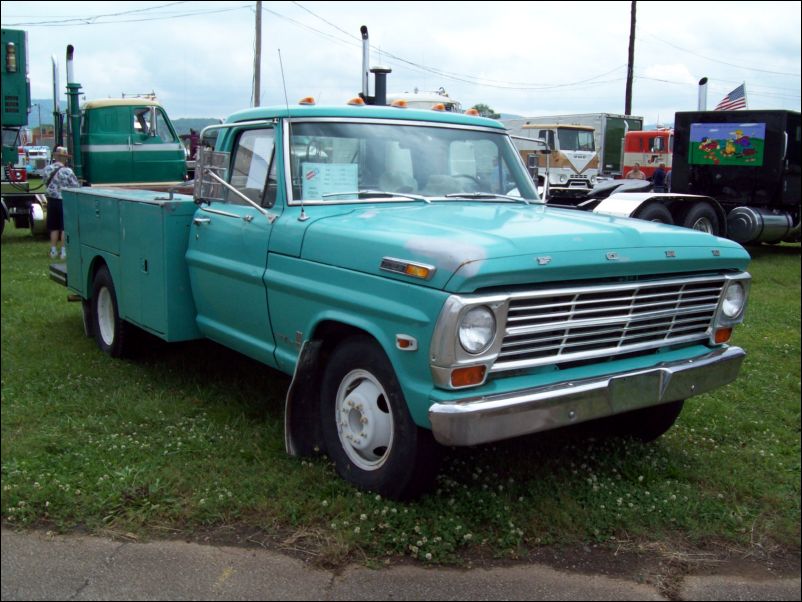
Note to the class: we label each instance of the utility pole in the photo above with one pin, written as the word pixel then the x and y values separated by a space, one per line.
pixel 257 56
pixel 630 64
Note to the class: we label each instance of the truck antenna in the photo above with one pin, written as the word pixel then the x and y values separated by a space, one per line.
pixel 303 217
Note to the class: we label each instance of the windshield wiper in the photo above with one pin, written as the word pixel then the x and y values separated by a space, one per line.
pixel 486 195
pixel 363 194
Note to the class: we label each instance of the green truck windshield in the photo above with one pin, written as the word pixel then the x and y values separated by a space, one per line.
pixel 341 162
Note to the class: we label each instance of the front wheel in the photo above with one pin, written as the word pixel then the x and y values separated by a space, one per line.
pixel 367 428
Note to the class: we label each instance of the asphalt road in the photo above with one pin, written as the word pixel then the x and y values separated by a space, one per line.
pixel 42 566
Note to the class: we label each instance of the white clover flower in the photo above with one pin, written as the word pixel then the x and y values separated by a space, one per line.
pixel 428 555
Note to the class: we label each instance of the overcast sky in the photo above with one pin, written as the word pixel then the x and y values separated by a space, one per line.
pixel 528 58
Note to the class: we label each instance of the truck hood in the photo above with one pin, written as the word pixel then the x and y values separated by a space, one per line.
pixel 477 245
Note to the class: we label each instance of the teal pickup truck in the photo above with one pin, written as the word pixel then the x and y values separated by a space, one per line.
pixel 399 265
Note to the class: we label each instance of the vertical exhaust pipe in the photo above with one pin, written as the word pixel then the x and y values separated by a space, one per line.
pixel 702 104
pixel 380 75
pixel 365 62
pixel 58 121
pixel 74 116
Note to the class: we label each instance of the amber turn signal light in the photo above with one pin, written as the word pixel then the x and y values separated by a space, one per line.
pixel 723 335
pixel 465 377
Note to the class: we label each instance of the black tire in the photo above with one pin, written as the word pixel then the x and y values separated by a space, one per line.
pixel 111 332
pixel 656 213
pixel 647 424
pixel 374 445
pixel 701 216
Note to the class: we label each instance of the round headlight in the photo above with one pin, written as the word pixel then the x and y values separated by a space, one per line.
pixel 477 329
pixel 734 300
pixel 563 178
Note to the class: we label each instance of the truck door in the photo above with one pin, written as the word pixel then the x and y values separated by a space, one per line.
pixel 158 155
pixel 227 254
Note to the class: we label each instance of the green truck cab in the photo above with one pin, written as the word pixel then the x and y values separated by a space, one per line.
pixel 131 142
pixel 400 266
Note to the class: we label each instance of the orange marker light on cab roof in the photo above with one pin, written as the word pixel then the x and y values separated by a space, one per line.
pixel 356 101
pixel 472 112
pixel 399 104
pixel 439 107
pixel 307 100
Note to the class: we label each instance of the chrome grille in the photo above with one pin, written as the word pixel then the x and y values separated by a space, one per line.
pixel 563 325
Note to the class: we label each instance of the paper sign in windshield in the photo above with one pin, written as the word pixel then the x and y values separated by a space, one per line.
pixel 319 179
pixel 727 144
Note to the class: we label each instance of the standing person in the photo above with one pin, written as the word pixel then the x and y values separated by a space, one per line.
pixel 58 175
pixel 636 173
pixel 659 178
pixel 194 140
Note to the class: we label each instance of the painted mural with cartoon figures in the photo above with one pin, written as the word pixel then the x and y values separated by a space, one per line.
pixel 727 144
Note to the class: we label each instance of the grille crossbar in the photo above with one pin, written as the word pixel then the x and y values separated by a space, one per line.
pixel 581 323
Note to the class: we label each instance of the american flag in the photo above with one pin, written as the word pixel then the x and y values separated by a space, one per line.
pixel 734 100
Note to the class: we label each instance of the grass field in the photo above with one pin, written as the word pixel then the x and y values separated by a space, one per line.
pixel 189 438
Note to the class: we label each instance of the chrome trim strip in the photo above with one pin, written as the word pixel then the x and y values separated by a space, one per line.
pixel 483 419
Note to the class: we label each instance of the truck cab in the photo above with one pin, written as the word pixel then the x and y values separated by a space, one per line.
pixel 648 148
pixel 129 141
pixel 573 164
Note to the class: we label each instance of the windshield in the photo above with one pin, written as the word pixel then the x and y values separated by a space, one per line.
pixel 342 162
pixel 575 140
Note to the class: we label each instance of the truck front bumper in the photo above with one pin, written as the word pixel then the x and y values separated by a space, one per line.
pixel 476 420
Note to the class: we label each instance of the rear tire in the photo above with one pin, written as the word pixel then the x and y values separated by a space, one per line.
pixel 111 332
pixel 656 213
pixel 367 428
pixel 702 217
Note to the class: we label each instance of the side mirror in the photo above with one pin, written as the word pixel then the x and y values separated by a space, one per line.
pixel 209 162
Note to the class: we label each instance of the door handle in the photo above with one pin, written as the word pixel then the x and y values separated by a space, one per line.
pixel 198 221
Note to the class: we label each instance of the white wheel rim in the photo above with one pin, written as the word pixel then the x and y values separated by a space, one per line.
pixel 703 224
pixel 105 316
pixel 364 420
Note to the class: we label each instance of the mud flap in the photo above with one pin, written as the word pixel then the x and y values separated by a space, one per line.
pixel 302 432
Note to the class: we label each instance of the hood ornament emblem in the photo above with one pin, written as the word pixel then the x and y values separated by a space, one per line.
pixel 612 256
pixel 545 260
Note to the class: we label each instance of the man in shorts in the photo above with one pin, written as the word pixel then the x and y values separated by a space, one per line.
pixel 58 175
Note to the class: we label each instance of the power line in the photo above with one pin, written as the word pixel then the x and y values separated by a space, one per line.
pixel 93 20
pixel 707 58
pixel 469 79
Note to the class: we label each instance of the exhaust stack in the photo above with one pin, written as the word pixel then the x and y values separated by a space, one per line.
pixel 380 74
pixel 702 104
pixel 74 116
pixel 365 62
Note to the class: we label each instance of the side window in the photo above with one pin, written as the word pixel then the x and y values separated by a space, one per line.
pixel 162 129
pixel 141 123
pixel 253 170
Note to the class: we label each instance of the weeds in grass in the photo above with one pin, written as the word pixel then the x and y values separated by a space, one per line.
pixel 190 436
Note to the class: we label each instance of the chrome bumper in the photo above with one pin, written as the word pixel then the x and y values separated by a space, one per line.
pixel 477 420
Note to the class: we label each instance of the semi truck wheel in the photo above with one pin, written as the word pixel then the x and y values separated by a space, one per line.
pixel 702 217
pixel 111 332
pixel 655 213
pixel 367 428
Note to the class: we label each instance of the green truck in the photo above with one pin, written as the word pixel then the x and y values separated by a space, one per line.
pixel 128 142
pixel 399 265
